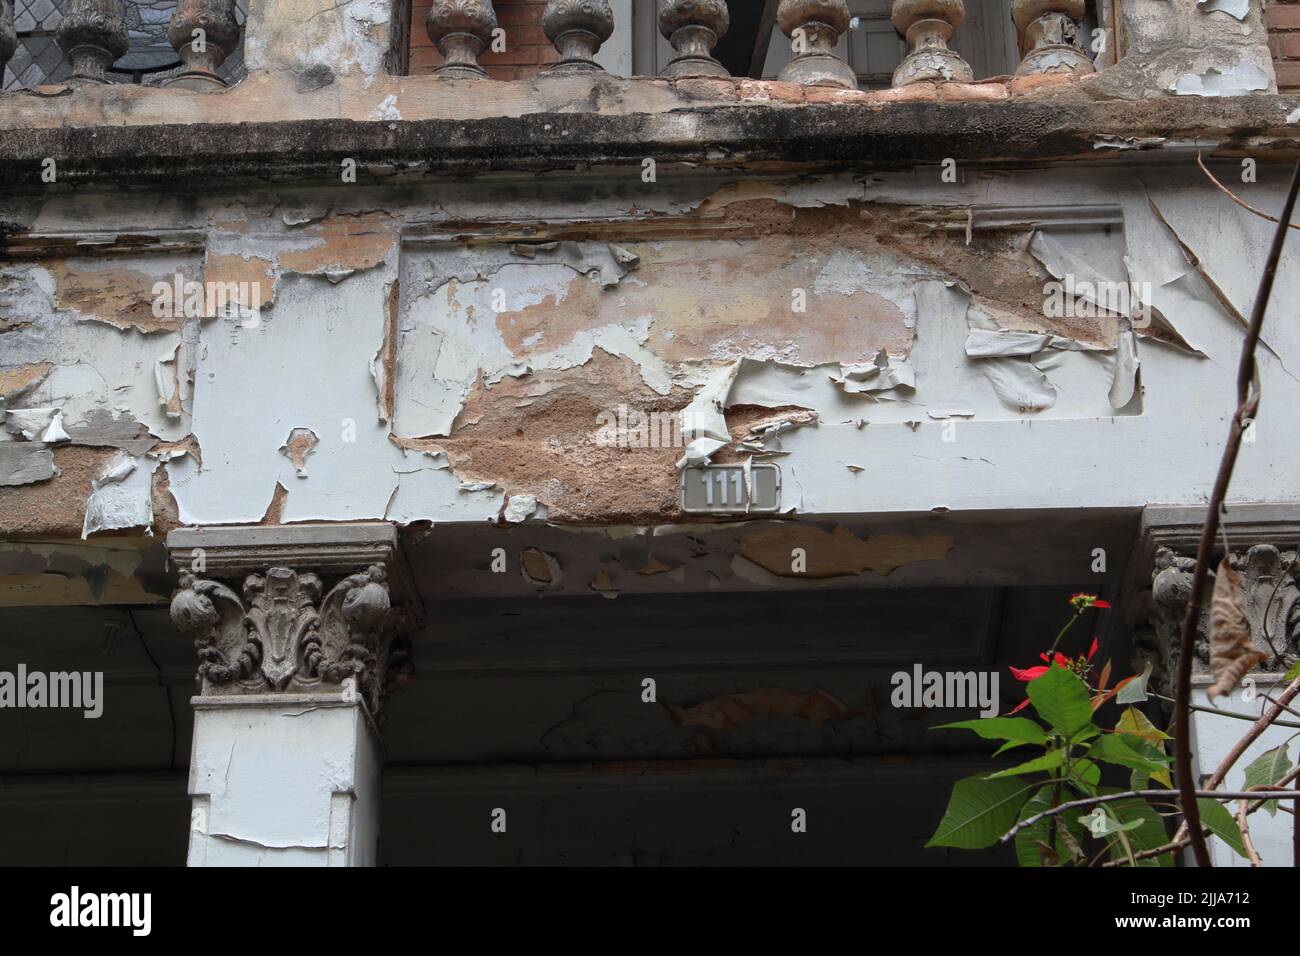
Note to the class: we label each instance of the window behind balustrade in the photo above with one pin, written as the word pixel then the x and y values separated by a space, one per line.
pixel 987 41
pixel 38 60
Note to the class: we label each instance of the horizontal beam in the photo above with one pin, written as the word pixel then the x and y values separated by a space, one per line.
pixel 894 135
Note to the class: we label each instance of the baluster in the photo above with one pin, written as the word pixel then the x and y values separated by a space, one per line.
pixel 577 28
pixel 693 27
pixel 1049 37
pixel 461 29
pixel 814 27
pixel 93 36
pixel 928 25
pixel 8 36
pixel 203 33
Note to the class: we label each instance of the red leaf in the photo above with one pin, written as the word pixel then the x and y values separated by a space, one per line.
pixel 1028 674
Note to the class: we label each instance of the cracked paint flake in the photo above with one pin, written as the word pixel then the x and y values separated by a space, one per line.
pixel 1236 80
pixel 341 246
pixel 1233 8
pixel 93 371
pixel 518 508
pixel 121 497
pixel 24 463
pixel 36 424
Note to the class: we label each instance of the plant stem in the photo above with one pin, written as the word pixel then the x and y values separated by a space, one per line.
pixel 1247 405
pixel 1225 713
pixel 1112 797
pixel 1068 624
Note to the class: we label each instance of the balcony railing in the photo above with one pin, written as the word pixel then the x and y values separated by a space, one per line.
pixel 93 37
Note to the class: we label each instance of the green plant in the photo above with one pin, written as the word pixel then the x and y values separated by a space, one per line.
pixel 1065 750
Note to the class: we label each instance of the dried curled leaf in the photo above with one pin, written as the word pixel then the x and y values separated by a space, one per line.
pixel 1231 653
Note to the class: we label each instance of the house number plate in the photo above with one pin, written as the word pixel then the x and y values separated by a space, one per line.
pixel 721 489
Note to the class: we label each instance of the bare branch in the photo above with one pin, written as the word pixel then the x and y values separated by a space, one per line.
pixel 1128 794
pixel 1237 199
pixel 1247 404
pixel 1218 712
pixel 1246 841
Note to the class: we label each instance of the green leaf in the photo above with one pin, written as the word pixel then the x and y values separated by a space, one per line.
pixel 1048 761
pixel 1085 775
pixel 1017 731
pixel 1134 722
pixel 980 811
pixel 1086 734
pixel 1266 770
pixel 1216 818
pixel 1135 691
pixel 1150 835
pixel 1032 842
pixel 1131 752
pixel 1061 698
pixel 1293 673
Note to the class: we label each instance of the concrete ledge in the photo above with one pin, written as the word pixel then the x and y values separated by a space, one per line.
pixel 199 155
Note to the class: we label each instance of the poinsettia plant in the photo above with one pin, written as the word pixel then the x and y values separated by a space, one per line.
pixel 1065 749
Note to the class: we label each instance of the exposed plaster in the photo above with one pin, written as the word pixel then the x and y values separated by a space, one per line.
pixel 429 403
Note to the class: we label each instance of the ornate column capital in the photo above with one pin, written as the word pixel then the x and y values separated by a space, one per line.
pixel 577 28
pixel 693 27
pixel 1263 540
pixel 296 609
pixel 814 28
pixel 1049 36
pixel 928 25
pixel 93 35
pixel 461 29
pixel 203 33
pixel 8 36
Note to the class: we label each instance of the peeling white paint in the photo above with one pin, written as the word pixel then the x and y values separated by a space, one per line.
pixel 120 497
pixel 1236 80
pixel 519 508
pixel 1233 8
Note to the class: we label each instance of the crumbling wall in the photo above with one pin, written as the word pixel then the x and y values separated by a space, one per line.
pixel 493 352
pixel 1191 48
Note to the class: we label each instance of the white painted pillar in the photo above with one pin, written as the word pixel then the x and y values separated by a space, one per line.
pixel 1213 736
pixel 295 628
pixel 284 780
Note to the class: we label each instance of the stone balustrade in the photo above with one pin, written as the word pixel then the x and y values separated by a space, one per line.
pixel 204 33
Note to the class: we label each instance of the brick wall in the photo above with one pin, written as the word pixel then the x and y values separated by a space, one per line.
pixel 1283 20
pixel 527 49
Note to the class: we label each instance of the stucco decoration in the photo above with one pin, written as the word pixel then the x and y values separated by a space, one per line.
pixel 282 634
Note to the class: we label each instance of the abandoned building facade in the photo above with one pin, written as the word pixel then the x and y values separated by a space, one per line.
pixel 536 431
